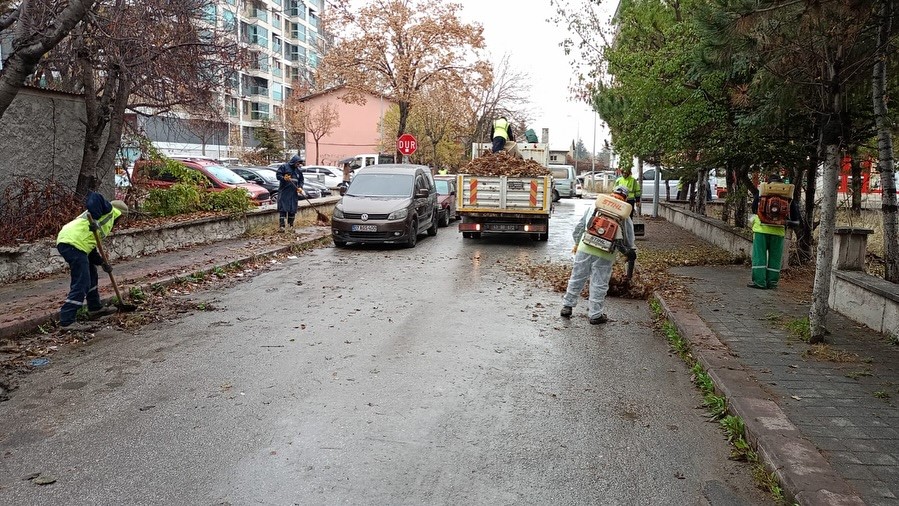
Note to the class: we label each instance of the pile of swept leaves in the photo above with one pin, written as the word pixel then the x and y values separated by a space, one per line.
pixel 651 274
pixel 504 164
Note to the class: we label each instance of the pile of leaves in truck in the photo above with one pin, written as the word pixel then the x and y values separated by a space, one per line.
pixel 504 164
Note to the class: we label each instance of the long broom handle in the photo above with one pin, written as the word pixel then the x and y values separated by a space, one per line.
pixel 103 256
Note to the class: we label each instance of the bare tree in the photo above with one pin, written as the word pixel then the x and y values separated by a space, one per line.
pixel 506 93
pixel 395 48
pixel 150 57
pixel 37 26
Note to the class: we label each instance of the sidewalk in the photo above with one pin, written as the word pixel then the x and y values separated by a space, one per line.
pixel 825 417
pixel 28 304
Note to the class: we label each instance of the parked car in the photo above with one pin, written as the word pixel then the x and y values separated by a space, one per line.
pixel 219 178
pixel 328 175
pixel 391 203
pixel 267 178
pixel 564 181
pixel 446 198
pixel 367 160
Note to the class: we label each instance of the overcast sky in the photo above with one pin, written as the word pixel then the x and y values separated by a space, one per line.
pixel 519 28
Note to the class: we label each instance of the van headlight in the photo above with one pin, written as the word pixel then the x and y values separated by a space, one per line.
pixel 338 213
pixel 399 214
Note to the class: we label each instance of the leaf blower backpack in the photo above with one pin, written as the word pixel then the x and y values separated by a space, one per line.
pixel 774 203
pixel 604 227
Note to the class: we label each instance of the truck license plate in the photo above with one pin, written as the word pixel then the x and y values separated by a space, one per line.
pixel 503 227
pixel 364 228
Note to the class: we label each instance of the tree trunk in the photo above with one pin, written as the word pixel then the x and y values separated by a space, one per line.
pixel 702 188
pixel 831 139
pixel 885 147
pixel 405 107
pixel 31 47
pixel 106 163
pixel 806 235
pixel 731 192
pixel 855 169
pixel 97 113
pixel 823 265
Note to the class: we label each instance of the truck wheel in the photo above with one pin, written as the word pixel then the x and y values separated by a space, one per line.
pixel 544 237
pixel 413 235
pixel 475 235
pixel 445 219
pixel 556 196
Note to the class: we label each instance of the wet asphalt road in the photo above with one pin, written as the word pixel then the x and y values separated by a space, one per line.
pixel 375 376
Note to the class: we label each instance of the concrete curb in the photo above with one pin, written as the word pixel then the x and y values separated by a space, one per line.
pixel 37 318
pixel 803 472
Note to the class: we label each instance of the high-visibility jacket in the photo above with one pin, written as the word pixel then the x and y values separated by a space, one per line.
pixel 501 128
pixel 763 228
pixel 632 185
pixel 77 232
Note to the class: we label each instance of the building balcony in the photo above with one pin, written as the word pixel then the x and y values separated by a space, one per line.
pixel 260 115
pixel 257 91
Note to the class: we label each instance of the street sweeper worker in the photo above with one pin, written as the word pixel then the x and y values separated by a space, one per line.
pixel 605 228
pixel 290 188
pixel 78 246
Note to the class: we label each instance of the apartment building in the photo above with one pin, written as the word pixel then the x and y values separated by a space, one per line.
pixel 285 42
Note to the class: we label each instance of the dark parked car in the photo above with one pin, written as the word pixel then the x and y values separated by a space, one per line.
pixel 391 203
pixel 446 198
pixel 266 177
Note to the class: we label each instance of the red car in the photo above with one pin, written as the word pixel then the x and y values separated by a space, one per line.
pixel 446 198
pixel 220 178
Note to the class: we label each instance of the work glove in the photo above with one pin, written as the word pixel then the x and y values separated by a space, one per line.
pixel 287 177
pixel 574 249
pixel 106 268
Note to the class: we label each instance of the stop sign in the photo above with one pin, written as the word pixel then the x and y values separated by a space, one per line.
pixel 406 144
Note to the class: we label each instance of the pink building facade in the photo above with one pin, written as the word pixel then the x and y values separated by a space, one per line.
pixel 359 130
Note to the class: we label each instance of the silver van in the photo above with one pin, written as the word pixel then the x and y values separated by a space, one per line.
pixel 564 181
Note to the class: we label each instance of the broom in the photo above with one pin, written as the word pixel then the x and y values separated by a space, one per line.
pixel 324 219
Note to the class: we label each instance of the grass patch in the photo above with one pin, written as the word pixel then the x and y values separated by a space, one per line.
pixel 800 329
pixel 825 353
pixel 882 394
pixel 859 374
pixel 732 426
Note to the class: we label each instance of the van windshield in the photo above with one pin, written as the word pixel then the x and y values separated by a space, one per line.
pixel 381 185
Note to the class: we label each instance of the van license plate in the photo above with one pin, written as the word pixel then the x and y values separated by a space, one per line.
pixel 364 228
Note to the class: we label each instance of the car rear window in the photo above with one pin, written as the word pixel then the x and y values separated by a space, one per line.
pixel 269 175
pixel 560 173
pixel 225 175
pixel 382 185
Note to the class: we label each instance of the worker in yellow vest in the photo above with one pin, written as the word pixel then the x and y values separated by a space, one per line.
pixel 633 187
pixel 768 232
pixel 78 246
pixel 502 132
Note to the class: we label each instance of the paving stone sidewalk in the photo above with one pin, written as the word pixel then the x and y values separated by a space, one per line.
pixel 842 398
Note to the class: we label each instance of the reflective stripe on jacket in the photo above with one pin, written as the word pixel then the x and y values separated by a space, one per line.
pixel 501 129
pixel 77 233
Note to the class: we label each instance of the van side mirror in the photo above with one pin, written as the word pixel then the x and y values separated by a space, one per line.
pixel 422 193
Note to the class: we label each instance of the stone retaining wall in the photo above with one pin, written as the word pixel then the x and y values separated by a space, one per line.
pixel 38 258
pixel 717 232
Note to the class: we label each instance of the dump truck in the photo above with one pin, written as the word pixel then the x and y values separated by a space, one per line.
pixel 506 204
